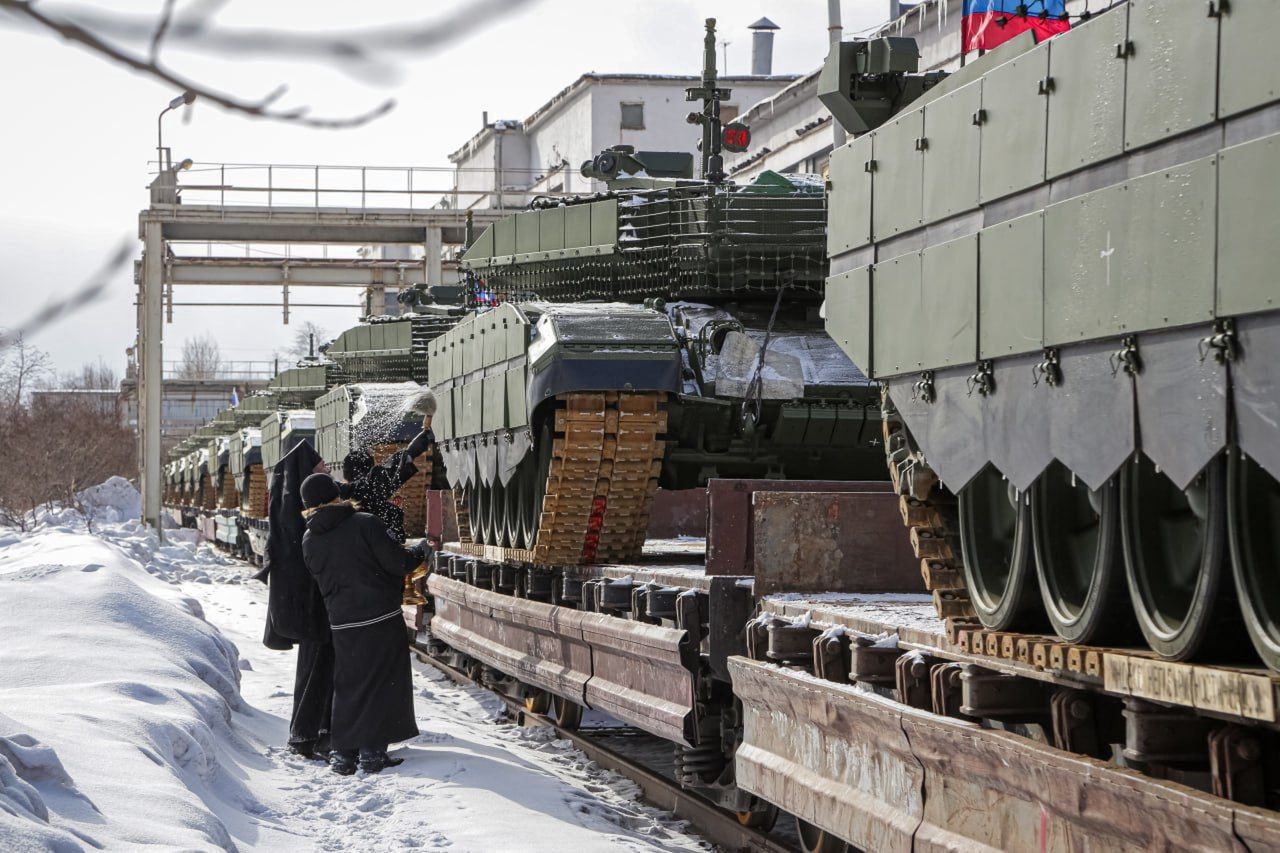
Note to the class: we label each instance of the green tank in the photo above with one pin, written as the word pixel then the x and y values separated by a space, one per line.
pixel 1059 264
pixel 281 431
pixel 663 332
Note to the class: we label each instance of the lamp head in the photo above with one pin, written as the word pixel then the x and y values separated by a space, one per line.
pixel 186 97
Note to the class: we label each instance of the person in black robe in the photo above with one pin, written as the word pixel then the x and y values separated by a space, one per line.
pixel 372 486
pixel 360 570
pixel 295 608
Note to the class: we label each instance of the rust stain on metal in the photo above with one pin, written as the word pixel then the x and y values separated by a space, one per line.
pixel 830 541
pixel 730 535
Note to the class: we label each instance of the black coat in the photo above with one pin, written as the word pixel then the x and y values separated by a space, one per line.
pixel 373 491
pixel 295 608
pixel 359 568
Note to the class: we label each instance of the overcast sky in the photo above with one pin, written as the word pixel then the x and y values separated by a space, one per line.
pixel 79 131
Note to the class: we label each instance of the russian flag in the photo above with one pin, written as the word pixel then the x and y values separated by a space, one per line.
pixel 990 23
pixel 235 397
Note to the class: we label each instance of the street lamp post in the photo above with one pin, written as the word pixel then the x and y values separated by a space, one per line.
pixel 150 329
pixel 183 99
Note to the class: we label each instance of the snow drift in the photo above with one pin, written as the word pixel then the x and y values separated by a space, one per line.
pixel 124 710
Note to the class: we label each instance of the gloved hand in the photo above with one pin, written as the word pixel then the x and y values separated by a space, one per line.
pixel 420 550
pixel 420 443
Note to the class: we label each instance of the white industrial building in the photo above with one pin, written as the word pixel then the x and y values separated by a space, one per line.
pixel 544 152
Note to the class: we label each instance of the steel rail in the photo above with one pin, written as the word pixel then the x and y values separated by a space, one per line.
pixel 713 823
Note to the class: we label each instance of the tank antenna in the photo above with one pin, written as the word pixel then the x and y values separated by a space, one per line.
pixel 711 95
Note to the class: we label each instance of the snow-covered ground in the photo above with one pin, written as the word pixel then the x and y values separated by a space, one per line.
pixel 138 707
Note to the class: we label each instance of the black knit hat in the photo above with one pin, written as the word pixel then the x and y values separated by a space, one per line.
pixel 318 489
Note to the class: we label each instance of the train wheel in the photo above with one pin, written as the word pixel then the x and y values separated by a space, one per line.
pixel 814 840
pixel 537 702
pixel 995 541
pixel 1075 532
pixel 761 815
pixel 568 715
pixel 1174 543
pixel 1253 519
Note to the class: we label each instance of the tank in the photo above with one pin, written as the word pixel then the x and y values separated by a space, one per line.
pixel 245 461
pixel 393 349
pixel 1058 263
pixel 659 333
pixel 281 432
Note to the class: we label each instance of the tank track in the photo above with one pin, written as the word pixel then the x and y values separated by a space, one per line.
pixel 208 496
pixel 929 513
pixel 606 454
pixel 228 494
pixel 257 487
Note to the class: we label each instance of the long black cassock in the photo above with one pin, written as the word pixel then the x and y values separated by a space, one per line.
pixel 296 613
pixel 361 570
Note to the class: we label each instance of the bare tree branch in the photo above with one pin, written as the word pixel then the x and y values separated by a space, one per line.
pixel 60 308
pixel 75 33
pixel 360 52
pixel 166 16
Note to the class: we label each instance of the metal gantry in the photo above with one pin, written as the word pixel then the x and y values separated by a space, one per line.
pixel 305 208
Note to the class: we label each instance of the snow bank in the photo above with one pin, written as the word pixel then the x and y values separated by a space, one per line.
pixel 116 701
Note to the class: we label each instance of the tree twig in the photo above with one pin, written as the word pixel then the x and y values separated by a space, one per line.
pixel 75 33
pixel 166 17
pixel 60 308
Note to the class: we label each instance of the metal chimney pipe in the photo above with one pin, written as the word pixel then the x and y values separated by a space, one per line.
pixel 835 33
pixel 762 47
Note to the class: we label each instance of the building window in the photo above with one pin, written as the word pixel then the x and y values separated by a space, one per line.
pixel 728 112
pixel 632 116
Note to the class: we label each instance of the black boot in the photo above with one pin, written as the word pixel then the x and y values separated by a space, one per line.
pixel 343 762
pixel 304 748
pixel 374 760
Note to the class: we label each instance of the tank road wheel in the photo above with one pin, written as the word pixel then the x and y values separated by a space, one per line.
pixel 526 501
pixel 995 539
pixel 1253 519
pixel 495 524
pixel 567 714
pixel 1075 532
pixel 814 840
pixel 537 701
pixel 511 517
pixel 475 509
pixel 1174 544
pixel 539 462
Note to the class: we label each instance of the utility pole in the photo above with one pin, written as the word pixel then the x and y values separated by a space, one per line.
pixel 151 370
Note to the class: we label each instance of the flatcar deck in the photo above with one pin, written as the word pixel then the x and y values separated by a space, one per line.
pixel 1225 690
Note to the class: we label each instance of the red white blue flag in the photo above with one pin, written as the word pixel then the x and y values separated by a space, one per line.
pixel 990 23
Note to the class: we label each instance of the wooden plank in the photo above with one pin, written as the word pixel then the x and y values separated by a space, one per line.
pixel 1223 691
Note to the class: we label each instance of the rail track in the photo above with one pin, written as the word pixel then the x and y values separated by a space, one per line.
pixel 715 824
